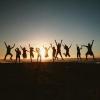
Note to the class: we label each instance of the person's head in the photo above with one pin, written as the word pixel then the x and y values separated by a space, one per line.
pixel 8 46
pixel 53 48
pixel 88 44
pixel 31 48
pixel 24 48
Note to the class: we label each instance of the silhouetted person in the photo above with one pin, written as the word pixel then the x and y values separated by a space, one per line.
pixel 24 52
pixel 53 52
pixel 18 53
pixel 46 51
pixel 38 54
pixel 31 52
pixel 67 50
pixel 89 51
pixel 8 52
pixel 58 49
pixel 78 52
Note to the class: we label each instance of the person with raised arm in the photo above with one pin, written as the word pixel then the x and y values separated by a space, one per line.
pixel 89 49
pixel 38 54
pixel 67 50
pixel 59 49
pixel 78 51
pixel 24 54
pixel 18 53
pixel 53 52
pixel 8 52
pixel 31 52
pixel 46 51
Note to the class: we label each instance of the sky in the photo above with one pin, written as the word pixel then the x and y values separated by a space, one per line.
pixel 40 22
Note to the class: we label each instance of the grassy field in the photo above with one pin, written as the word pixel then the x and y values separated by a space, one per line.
pixel 50 81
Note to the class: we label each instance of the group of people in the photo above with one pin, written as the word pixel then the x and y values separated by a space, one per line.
pixel 55 51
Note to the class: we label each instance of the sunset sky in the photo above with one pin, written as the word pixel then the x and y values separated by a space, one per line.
pixel 40 22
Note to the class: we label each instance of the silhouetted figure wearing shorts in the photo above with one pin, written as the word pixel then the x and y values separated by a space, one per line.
pixel 38 54
pixel 58 49
pixel 18 53
pixel 53 52
pixel 78 52
pixel 89 49
pixel 31 52
pixel 24 52
pixel 46 51
pixel 67 50
pixel 8 52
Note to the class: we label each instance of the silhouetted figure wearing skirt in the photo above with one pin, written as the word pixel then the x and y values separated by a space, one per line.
pixel 18 53
pixel 8 52
pixel 89 49
pixel 58 49
pixel 24 52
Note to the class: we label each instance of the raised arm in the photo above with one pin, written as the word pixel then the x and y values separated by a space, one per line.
pixel 70 46
pixel 92 42
pixel 5 44
pixel 13 46
pixel 21 47
pixel 61 41
pixel 29 46
pixel 56 42
pixel 49 47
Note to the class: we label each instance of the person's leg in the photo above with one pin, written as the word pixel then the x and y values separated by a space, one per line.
pixel 61 55
pixel 19 59
pixel 56 55
pixel 16 58
pixel 5 56
pixel 11 56
pixel 86 55
pixel 68 54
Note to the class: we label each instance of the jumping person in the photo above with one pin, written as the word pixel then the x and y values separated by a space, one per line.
pixel 24 52
pixel 38 54
pixel 53 52
pixel 31 52
pixel 89 49
pixel 8 52
pixel 46 51
pixel 58 49
pixel 18 53
pixel 67 50
pixel 78 52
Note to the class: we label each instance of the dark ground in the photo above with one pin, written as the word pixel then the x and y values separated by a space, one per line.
pixel 50 81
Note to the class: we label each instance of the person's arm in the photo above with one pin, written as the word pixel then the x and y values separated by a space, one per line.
pixel 63 45
pixel 15 49
pixel 84 46
pixel 80 47
pixel 92 42
pixel 13 46
pixel 70 46
pixel 29 46
pixel 21 47
pixel 51 45
pixel 61 41
pixel 5 44
pixel 56 42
